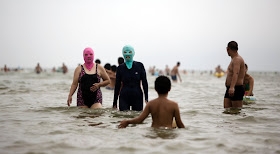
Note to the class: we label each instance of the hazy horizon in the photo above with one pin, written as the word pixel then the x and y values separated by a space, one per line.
pixel 162 32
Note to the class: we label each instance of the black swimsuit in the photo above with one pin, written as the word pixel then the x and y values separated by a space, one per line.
pixel 87 81
pixel 131 93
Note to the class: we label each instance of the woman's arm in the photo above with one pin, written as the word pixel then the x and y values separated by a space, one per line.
pixel 74 84
pixel 144 83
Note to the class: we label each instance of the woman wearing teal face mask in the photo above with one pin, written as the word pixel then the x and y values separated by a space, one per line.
pixel 129 75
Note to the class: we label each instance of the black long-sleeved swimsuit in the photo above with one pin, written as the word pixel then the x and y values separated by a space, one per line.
pixel 128 87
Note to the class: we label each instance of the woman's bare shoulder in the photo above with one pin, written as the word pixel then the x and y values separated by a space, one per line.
pixel 78 68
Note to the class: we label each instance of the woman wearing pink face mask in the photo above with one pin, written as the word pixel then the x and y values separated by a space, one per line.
pixel 88 76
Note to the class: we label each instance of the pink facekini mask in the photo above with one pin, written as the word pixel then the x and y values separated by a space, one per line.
pixel 88 57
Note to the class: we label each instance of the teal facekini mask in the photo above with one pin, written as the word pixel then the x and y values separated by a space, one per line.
pixel 128 54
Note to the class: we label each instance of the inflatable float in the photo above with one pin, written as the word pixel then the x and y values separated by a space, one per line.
pixel 219 74
pixel 249 99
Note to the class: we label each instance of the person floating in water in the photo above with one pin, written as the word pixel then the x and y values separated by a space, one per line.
pixel 175 72
pixel 248 83
pixel 38 69
pixel 88 77
pixel 234 81
pixel 128 80
pixel 219 72
pixel 162 109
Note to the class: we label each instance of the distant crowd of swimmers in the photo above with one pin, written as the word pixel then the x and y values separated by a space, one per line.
pixel 63 69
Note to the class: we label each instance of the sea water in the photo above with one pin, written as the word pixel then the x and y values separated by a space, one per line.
pixel 34 118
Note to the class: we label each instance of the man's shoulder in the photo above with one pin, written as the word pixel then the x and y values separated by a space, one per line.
pixel 238 59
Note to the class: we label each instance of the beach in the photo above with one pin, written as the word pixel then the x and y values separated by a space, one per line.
pixel 35 118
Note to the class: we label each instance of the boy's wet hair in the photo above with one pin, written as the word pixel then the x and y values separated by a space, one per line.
pixel 162 85
pixel 233 45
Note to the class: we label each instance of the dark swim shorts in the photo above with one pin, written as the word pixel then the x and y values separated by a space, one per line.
pixel 238 93
pixel 174 77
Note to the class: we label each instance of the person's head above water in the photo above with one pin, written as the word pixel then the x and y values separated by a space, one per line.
pixel 88 57
pixel 232 48
pixel 178 63
pixel 232 45
pixel 162 85
pixel 114 68
pixel 120 60
pixel 128 54
pixel 107 66
pixel 98 61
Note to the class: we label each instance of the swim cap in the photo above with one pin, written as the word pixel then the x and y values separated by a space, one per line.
pixel 128 54
pixel 88 57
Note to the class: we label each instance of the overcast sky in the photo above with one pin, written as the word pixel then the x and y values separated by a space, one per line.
pixel 162 32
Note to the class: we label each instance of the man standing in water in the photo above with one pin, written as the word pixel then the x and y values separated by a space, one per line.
pixel 175 72
pixel 234 81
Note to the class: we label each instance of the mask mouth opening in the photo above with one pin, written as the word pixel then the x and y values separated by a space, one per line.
pixel 127 57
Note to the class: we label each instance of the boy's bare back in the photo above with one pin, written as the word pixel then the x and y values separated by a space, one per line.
pixel 163 111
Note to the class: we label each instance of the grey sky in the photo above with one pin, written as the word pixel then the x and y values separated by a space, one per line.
pixel 162 32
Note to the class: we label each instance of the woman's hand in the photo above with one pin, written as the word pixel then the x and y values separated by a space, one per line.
pixel 94 87
pixel 69 100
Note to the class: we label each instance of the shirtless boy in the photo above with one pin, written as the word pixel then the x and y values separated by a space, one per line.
pixel 162 109
pixel 234 81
